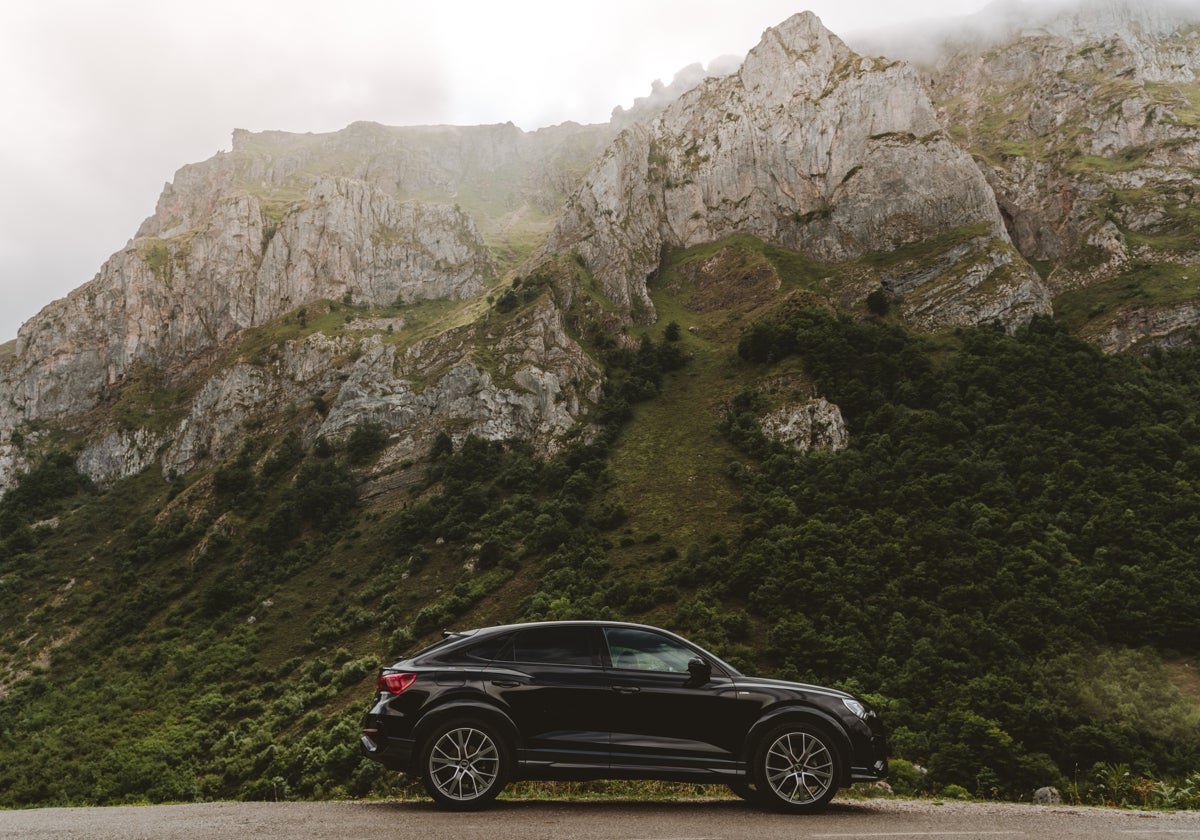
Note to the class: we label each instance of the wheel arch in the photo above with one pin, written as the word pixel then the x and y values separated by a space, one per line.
pixel 802 715
pixel 464 708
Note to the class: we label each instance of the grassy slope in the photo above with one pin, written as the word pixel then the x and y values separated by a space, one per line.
pixel 275 699
pixel 671 460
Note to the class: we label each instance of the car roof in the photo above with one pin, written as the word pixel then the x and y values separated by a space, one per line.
pixel 483 632
pixel 582 622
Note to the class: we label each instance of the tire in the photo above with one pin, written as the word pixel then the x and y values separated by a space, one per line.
pixel 465 763
pixel 746 791
pixel 796 769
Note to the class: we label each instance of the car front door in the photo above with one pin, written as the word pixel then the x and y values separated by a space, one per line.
pixel 666 716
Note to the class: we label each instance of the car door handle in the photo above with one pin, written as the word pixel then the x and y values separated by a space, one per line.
pixel 626 689
pixel 506 683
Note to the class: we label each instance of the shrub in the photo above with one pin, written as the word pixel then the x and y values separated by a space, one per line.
pixel 365 442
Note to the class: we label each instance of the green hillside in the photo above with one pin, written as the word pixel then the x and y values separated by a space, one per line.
pixel 1005 559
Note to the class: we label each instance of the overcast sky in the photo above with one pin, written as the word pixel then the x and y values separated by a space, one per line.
pixel 103 102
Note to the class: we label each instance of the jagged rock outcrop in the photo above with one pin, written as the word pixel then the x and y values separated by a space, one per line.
pixel 369 216
pixel 813 425
pixel 120 454
pixel 161 301
pixel 490 171
pixel 1160 326
pixel 535 386
pixel 646 108
pixel 1086 123
pixel 1101 80
pixel 808 146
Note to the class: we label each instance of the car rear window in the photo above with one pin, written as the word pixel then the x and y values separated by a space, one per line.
pixel 448 639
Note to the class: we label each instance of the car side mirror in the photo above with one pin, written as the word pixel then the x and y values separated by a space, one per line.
pixel 699 670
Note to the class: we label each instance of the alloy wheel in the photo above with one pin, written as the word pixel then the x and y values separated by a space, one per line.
pixel 799 768
pixel 464 764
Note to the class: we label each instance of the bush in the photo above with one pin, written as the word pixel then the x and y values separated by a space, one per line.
pixel 365 442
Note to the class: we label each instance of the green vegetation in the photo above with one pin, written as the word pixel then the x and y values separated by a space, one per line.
pixel 1003 560
pixel 1005 507
pixel 1143 284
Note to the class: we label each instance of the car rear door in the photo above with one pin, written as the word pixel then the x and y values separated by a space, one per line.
pixel 551 681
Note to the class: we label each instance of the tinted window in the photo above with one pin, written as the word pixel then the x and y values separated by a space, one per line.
pixel 557 645
pixel 488 649
pixel 640 650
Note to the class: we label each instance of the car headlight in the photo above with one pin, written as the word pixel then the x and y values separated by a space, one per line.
pixel 856 708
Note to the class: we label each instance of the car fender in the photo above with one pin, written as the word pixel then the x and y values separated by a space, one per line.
pixel 791 713
pixel 466 707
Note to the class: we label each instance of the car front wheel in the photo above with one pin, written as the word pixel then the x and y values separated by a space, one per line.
pixel 796 769
pixel 464 765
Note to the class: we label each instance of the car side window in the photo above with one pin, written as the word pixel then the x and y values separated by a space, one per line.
pixel 556 645
pixel 489 649
pixel 641 650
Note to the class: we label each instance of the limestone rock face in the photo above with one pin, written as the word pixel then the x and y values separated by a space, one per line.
pixel 1163 326
pixel 368 216
pixel 814 425
pixel 536 386
pixel 119 455
pixel 808 146
pixel 491 171
pixel 1087 122
pixel 161 301
pixel 362 245
pixel 1098 82
pixel 12 464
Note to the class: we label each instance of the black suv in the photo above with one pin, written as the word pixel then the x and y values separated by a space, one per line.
pixel 605 700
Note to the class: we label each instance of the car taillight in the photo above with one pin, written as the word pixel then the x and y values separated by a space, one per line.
pixel 394 683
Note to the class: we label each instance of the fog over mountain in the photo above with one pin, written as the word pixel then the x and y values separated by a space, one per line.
pixel 104 104
pixel 923 41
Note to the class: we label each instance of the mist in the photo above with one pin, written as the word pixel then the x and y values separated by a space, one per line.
pixel 104 103
pixel 925 41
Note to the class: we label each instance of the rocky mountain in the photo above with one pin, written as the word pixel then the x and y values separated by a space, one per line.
pixel 370 217
pixel 819 150
pixel 437 277
pixel 1085 122
pixel 790 357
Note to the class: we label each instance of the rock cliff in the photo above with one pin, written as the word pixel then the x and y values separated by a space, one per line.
pixel 809 146
pixel 368 217
pixel 533 386
pixel 164 299
pixel 1086 122
pixel 321 281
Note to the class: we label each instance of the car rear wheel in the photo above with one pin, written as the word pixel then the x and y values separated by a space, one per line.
pixel 796 769
pixel 465 764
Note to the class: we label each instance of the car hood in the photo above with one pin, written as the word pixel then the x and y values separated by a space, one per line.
pixel 743 681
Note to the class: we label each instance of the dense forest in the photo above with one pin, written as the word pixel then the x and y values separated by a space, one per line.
pixel 1005 560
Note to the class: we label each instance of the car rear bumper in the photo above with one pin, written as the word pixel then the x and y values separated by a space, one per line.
pixel 393 753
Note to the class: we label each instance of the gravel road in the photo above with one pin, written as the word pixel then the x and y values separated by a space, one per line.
pixel 592 820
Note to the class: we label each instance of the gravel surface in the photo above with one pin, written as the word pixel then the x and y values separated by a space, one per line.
pixel 593 820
